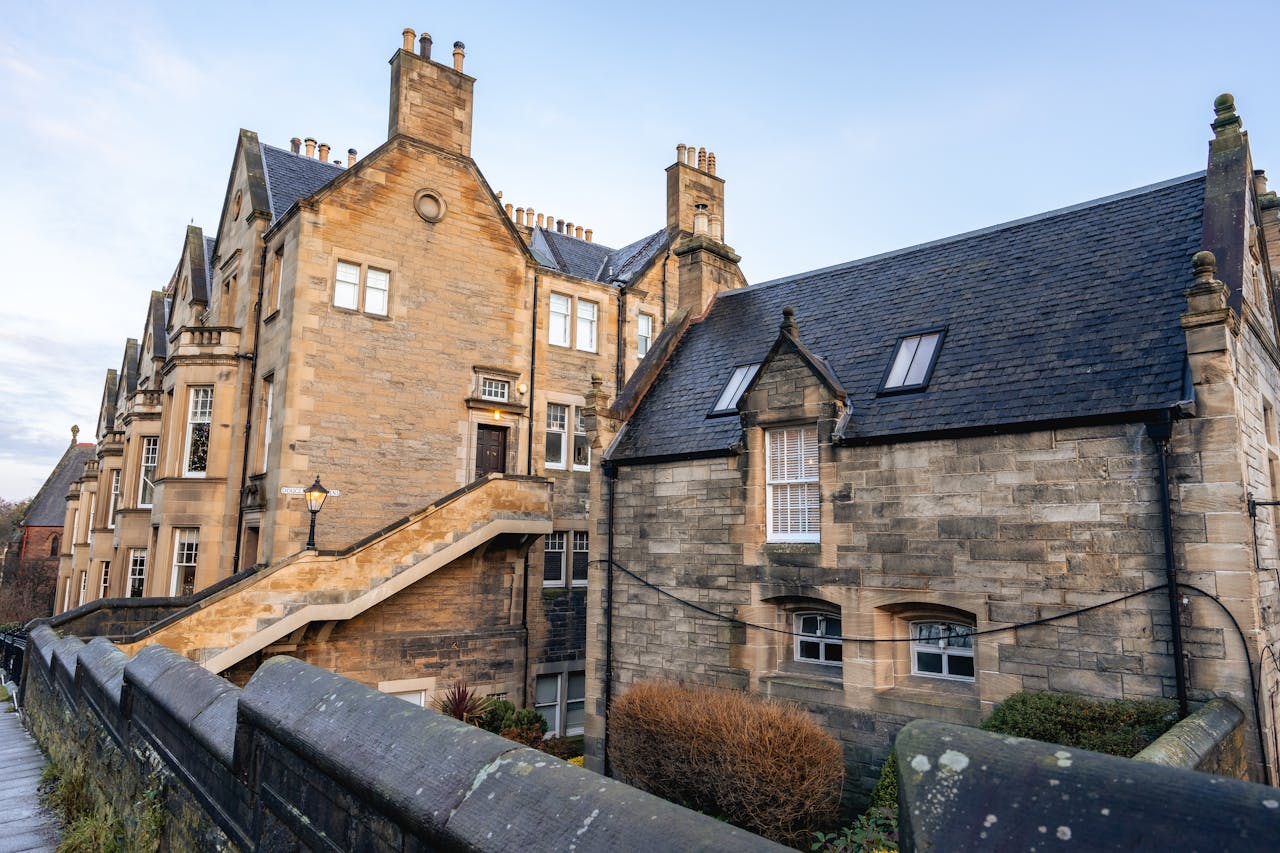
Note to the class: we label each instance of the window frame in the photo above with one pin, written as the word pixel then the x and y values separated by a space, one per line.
pixel 554 543
pixel 362 288
pixel 592 325
pixel 268 401
pixel 773 483
pixel 504 384
pixel 644 334
pixel 147 485
pixel 740 378
pixel 581 541
pixel 560 334
pixel 579 433
pixel 105 587
pixel 886 388
pixel 563 432
pixel 824 640
pixel 179 540
pixel 114 500
pixel 137 573
pixel 944 651
pixel 195 393
pixel 563 703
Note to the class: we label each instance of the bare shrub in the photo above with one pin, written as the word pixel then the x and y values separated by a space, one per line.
pixel 760 765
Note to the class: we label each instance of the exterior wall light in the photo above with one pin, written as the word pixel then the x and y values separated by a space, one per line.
pixel 315 495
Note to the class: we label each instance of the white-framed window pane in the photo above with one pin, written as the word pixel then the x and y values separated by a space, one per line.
pixel 942 650
pixel 346 286
pixel 558 323
pixel 84 586
pixel 738 382
pixel 106 579
pixel 557 426
pixel 377 284
pixel 911 363
pixel 792 484
pixel 546 692
pixel 644 334
pixel 581 447
pixel 268 396
pixel 581 557
pixel 186 553
pixel 587 312
pixel 818 639
pixel 198 426
pixel 494 389
pixel 137 572
pixel 575 701
pixel 150 458
pixel 115 499
pixel 553 560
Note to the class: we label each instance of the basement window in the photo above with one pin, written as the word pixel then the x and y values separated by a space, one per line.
pixel 913 361
pixel 727 402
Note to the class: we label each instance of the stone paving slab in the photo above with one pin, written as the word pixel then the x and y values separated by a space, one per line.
pixel 25 825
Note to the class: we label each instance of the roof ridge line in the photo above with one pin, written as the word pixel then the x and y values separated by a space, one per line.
pixel 978 232
pixel 300 156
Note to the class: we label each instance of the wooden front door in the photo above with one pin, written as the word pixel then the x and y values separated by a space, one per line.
pixel 491 449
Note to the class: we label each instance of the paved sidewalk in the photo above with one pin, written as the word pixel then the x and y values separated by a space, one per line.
pixel 24 823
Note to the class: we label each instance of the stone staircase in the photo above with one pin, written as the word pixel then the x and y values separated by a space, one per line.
pixel 267 607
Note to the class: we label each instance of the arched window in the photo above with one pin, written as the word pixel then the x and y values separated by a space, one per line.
pixel 942 649
pixel 53 545
pixel 817 638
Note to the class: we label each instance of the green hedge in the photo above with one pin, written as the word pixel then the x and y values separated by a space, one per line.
pixel 1122 727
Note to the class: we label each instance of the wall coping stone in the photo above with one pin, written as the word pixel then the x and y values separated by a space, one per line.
pixel 963 789
pixel 1193 739
pixel 103 663
pixel 190 694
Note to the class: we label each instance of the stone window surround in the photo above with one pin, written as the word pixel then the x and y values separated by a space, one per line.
pixel 807 536
pixel 894 660
pixel 561 672
pixel 365 262
pixel 569 544
pixel 197 414
pixel 571 337
pixel 571 436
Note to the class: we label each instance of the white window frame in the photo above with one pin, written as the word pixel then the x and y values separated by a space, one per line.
pixel 106 578
pixel 137 573
pixel 581 546
pixel 198 415
pixel 791 476
pixel 498 390
pixel 644 334
pixel 362 287
pixel 580 440
pixel 269 392
pixel 84 586
pixel 942 648
pixel 148 463
pixel 727 402
pixel 588 316
pixel 559 326
pixel 115 499
pixel 824 636
pixel 563 704
pixel 554 544
pixel 560 428
pixel 186 552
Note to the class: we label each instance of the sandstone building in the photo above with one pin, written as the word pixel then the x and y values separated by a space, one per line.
pixel 848 488
pixel 387 325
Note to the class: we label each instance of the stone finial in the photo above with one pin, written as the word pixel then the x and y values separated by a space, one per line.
pixel 596 381
pixel 75 432
pixel 1204 265
pixel 424 45
pixel 408 39
pixel 789 322
pixel 1225 119
pixel 459 52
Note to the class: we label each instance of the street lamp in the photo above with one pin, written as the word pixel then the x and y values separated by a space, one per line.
pixel 315 495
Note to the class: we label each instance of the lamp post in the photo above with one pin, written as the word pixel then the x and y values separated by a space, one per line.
pixel 315 495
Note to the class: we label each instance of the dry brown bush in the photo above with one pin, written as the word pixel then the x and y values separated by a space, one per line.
pixel 760 765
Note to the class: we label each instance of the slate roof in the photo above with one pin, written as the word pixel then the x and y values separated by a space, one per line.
pixel 49 507
pixel 1067 314
pixel 209 243
pixel 293 176
pixel 593 261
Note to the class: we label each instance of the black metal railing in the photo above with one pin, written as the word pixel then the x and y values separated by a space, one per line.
pixel 13 646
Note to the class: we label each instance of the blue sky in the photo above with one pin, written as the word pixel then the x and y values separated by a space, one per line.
pixel 841 129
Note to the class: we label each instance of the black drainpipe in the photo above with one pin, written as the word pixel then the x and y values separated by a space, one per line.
pixel 248 417
pixel 610 471
pixel 1160 432
pixel 665 258
pixel 621 348
pixel 528 469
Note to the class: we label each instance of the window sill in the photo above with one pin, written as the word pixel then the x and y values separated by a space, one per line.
pixel 271 317
pixel 803 686
pixel 920 691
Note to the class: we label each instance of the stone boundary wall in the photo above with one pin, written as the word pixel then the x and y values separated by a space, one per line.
pixel 1211 739
pixel 303 758
pixel 963 789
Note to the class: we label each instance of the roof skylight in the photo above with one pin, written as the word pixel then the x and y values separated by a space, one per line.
pixel 727 402
pixel 913 360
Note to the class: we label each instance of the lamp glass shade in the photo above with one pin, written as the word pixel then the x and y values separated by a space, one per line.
pixel 315 495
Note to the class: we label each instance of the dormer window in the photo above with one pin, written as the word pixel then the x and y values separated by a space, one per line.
pixel 912 362
pixel 727 402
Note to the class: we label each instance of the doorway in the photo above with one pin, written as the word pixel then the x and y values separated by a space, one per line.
pixel 491 450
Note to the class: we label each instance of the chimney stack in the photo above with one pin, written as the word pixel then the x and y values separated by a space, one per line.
pixel 311 146
pixel 408 39
pixel 351 157
pixel 459 51
pixel 324 152
pixel 424 46
pixel 430 102
pixel 295 145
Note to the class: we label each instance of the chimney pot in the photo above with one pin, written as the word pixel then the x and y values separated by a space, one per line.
pixel 559 226
pixel 519 215
pixel 311 147
pixel 351 157
pixel 408 39
pixel 568 228
pixel 702 159
pixel 711 162
pixel 1259 182
pixel 717 229
pixel 680 149
pixel 424 45
pixel 459 51
pixel 577 232
pixel 510 211
pixel 324 152
pixel 588 235
pixel 295 144
pixel 540 223
pixel 691 155
pixel 699 219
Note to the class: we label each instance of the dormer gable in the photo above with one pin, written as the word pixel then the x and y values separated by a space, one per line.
pixel 792 383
